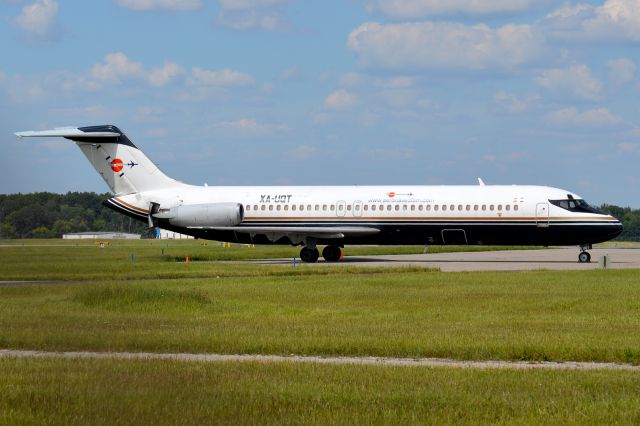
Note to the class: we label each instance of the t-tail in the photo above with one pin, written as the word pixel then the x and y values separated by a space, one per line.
pixel 121 164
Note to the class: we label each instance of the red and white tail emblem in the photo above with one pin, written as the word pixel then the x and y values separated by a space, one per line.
pixel 116 165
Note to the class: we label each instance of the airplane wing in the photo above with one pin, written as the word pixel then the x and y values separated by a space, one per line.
pixel 297 234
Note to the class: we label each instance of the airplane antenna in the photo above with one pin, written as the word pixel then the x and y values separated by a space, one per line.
pixel 480 182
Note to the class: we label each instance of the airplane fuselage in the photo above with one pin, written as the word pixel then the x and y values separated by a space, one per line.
pixel 431 215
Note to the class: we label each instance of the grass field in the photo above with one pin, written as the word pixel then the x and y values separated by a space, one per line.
pixel 54 391
pixel 159 304
pixel 82 260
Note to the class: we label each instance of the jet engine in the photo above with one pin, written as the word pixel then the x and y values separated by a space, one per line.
pixel 203 215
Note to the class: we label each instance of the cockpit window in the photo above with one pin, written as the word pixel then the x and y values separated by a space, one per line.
pixel 574 205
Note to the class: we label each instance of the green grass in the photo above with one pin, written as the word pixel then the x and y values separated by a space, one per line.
pixel 542 315
pixel 58 391
pixel 162 305
pixel 82 260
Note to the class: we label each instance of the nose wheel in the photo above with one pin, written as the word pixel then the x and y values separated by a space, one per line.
pixel 584 256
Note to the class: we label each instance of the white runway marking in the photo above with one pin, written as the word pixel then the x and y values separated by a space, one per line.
pixel 267 359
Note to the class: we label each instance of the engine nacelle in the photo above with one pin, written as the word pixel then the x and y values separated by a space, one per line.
pixel 207 215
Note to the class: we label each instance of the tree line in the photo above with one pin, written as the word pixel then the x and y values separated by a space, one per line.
pixel 49 215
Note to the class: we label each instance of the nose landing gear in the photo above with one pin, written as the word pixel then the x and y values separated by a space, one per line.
pixel 585 256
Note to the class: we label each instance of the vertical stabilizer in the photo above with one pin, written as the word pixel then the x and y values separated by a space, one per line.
pixel 121 164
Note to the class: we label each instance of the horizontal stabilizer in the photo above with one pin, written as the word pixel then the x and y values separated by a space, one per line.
pixel 65 132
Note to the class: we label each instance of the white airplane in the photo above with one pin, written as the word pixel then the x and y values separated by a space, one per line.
pixel 337 215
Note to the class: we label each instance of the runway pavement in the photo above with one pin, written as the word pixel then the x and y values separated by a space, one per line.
pixel 513 260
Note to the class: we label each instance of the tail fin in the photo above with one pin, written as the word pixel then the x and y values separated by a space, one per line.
pixel 120 163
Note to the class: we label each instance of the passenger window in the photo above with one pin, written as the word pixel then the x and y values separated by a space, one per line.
pixel 278 207
pixel 301 207
pixel 444 207
pixel 389 207
pixel 324 207
pixel 340 207
pixel 397 207
pixel 507 207
pixel 357 207
pixel 333 207
pixel 293 207
pixel 373 207
pixel 436 207
pixel 271 207
pixel 475 207
pixel 263 207
pixel 420 207
pixel 515 208
pixel 452 207
pixel 309 207
pixel 491 207
pixel 404 207
pixel 459 207
pixel 484 207
pixel 247 207
pixel 349 207
pixel 286 208
pixel 428 207
pixel 499 207
pixel 366 207
pixel 413 208
pixel 468 207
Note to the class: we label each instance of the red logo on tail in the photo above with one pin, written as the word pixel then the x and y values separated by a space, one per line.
pixel 116 165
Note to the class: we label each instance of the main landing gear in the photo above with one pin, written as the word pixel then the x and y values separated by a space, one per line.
pixel 585 256
pixel 310 254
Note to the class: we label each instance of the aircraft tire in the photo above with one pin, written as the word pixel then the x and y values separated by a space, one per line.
pixel 332 253
pixel 584 257
pixel 309 255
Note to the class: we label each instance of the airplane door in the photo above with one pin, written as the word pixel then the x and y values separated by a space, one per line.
pixel 357 208
pixel 341 208
pixel 542 215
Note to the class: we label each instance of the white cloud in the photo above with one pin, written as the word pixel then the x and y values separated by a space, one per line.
pixel 575 81
pixel 251 20
pixel 622 71
pixel 302 152
pixel 224 78
pixel 249 128
pixel 162 76
pixel 615 20
pixel 445 45
pixel 246 15
pixel 412 9
pixel 513 103
pixel 592 118
pixel 340 100
pixel 246 4
pixel 629 147
pixel 38 18
pixel 116 66
pixel 145 5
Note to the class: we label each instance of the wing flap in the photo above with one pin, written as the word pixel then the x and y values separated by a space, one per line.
pixel 326 232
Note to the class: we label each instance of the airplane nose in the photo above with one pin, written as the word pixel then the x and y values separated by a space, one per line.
pixel 618 228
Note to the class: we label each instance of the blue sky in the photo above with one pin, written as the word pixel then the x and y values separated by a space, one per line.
pixel 262 92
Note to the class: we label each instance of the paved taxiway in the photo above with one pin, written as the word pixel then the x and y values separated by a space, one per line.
pixel 513 260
